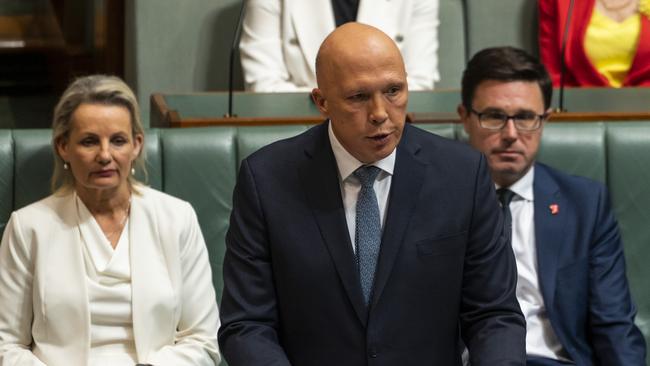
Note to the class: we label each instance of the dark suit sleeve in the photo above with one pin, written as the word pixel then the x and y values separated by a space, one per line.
pixel 492 325
pixel 614 337
pixel 249 316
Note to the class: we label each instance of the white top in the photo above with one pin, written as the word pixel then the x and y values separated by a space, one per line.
pixel 541 340
pixel 108 280
pixel 350 185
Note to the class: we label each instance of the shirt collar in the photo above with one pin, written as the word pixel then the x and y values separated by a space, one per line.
pixel 524 186
pixel 347 163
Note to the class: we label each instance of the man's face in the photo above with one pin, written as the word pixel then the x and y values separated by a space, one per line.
pixel 510 152
pixel 365 98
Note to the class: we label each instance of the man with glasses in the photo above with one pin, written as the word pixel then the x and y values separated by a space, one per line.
pixel 571 284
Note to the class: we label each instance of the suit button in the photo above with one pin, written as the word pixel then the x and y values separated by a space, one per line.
pixel 372 352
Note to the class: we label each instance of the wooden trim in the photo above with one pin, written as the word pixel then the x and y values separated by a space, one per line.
pixel 163 116
pixel 159 111
pixel 554 117
pixel 109 38
pixel 599 116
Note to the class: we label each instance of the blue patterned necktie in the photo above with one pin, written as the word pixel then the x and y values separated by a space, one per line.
pixel 505 196
pixel 368 229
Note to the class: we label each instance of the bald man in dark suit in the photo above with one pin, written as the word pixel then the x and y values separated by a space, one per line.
pixel 364 240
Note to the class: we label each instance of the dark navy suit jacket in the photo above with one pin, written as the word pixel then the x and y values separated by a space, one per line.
pixel 292 293
pixel 582 271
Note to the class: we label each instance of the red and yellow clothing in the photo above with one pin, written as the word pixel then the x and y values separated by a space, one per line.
pixel 580 69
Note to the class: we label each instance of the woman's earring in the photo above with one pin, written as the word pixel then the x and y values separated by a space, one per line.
pixel 133 171
pixel 65 165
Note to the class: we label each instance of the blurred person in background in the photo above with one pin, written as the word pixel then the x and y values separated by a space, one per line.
pixel 280 38
pixel 608 42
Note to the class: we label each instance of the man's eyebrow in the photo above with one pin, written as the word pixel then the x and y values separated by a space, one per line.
pixel 500 110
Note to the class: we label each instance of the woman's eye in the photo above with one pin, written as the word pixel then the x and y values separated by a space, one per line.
pixel 87 142
pixel 119 141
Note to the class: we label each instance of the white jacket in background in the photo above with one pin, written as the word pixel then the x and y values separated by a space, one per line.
pixel 280 40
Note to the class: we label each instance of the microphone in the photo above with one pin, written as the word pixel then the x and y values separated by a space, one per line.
pixel 233 48
pixel 567 24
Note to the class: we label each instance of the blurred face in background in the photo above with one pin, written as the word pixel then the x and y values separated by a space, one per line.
pixel 510 151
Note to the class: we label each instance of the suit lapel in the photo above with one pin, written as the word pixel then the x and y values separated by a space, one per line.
pixel 150 279
pixel 549 230
pixel 407 180
pixel 320 180
pixel 65 282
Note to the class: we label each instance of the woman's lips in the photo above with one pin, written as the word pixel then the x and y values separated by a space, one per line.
pixel 105 173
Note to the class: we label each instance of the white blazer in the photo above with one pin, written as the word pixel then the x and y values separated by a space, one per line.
pixel 280 40
pixel 44 309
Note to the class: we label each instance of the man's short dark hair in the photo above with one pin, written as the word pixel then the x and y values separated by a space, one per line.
pixel 504 64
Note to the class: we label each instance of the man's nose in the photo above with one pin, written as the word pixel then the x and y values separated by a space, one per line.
pixel 509 131
pixel 378 113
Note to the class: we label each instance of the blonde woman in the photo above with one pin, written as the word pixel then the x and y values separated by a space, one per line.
pixel 105 271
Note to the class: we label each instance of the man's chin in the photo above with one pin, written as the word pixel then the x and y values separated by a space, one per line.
pixel 507 174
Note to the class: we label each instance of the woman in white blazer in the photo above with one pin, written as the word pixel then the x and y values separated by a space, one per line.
pixel 280 40
pixel 105 271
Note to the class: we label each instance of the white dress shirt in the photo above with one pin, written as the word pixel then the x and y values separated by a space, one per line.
pixel 541 340
pixel 350 185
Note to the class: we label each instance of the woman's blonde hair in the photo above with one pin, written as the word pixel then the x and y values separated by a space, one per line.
pixel 93 89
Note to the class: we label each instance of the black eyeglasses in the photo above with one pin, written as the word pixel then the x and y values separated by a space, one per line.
pixel 495 120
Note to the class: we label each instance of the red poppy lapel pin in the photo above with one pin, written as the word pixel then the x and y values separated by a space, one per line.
pixel 555 208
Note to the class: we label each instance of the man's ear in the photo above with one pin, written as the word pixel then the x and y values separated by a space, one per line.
pixel 464 116
pixel 320 101
pixel 548 113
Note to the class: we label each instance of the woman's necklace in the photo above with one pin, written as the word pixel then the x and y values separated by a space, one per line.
pixel 614 5
pixel 618 10
pixel 110 235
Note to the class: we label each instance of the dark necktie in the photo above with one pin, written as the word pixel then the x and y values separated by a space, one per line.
pixel 505 197
pixel 367 236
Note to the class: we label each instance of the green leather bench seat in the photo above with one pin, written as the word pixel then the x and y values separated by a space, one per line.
pixel 628 178
pixel 200 166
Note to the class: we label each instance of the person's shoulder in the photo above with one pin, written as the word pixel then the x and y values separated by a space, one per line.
pixel 44 214
pixel 160 199
pixel 573 187
pixel 48 206
pixel 567 180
